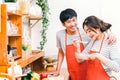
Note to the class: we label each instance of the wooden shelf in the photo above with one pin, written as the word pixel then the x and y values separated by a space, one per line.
pixel 32 17
pixel 17 57
pixel 24 62
pixel 15 35
pixel 13 13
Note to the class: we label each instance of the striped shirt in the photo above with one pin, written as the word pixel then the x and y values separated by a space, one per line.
pixel 110 51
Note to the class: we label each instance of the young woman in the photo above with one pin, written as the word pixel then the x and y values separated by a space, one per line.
pixel 102 58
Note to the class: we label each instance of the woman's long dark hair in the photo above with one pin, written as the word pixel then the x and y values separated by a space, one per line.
pixel 94 22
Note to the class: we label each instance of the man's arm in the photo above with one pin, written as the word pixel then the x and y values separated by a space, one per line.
pixel 59 62
pixel 60 59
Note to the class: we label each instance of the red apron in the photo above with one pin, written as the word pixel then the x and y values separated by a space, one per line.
pixel 77 71
pixel 95 70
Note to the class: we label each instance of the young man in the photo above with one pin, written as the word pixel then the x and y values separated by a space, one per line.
pixel 65 45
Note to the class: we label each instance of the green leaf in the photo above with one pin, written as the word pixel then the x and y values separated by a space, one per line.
pixel 24 47
pixel 45 20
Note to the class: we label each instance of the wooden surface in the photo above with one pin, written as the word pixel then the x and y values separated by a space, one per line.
pixel 25 61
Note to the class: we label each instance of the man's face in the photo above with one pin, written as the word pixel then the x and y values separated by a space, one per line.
pixel 71 24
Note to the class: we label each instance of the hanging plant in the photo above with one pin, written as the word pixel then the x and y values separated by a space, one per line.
pixel 10 0
pixel 45 21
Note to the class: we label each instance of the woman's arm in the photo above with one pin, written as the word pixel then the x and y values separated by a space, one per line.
pixel 114 58
pixel 112 61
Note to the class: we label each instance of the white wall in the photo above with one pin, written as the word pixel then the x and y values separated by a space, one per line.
pixel 111 13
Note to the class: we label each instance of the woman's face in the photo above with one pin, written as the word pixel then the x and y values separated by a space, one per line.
pixel 91 32
pixel 71 24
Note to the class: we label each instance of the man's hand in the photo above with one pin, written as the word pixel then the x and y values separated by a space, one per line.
pixel 111 38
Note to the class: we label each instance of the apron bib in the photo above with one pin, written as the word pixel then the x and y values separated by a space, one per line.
pixel 77 71
pixel 95 70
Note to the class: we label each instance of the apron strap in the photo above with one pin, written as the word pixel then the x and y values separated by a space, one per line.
pixel 66 36
pixel 100 44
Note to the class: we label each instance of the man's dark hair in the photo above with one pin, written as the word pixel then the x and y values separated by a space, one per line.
pixel 67 14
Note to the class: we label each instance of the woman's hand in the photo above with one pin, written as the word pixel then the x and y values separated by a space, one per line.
pixel 81 57
pixel 99 57
pixel 93 56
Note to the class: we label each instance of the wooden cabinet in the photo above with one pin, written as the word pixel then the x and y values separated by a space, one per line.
pixel 14 40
